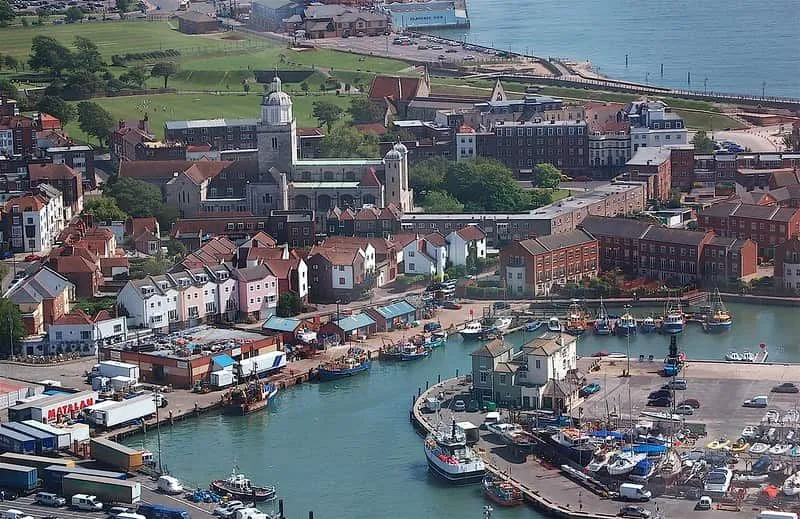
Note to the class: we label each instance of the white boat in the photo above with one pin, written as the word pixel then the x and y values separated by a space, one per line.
pixel 451 458
pixel 615 355
pixel 502 323
pixel 471 330
pixel 662 416
pixel 733 356
pixel 623 462
pixel 791 417
pixel 718 481
pixel 554 325
pixel 533 326
pixel 759 448
pixel 751 478
pixel 748 356
pixel 779 449
pixel 749 432
pixel 504 431
pixel 771 416
pixel 791 487
pixel 600 460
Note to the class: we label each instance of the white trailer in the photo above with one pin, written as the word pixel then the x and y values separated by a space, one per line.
pixel 222 378
pixel 63 438
pixel 262 365
pixel 117 413
pixel 113 368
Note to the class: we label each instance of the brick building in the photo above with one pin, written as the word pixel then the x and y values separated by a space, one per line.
pixel 618 241
pixel 17 135
pixel 672 254
pixel 195 22
pixel 682 165
pixel 653 166
pixel 768 226
pixel 368 221
pixel 61 177
pixel 787 265
pixel 293 226
pixel 725 258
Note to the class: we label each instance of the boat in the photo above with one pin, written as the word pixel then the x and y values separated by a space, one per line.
pixel 751 479
pixel 249 397
pixel 779 449
pixel 240 487
pixel 574 445
pixel 626 324
pixel 576 319
pixel 616 355
pixel 748 356
pixel 450 458
pixel 501 492
pixel 733 356
pixel 758 448
pixel 718 445
pixel 794 452
pixel 502 323
pixel 718 481
pixel 648 324
pixel 643 470
pixel 771 416
pixel 471 330
pixel 671 467
pixel 624 462
pixel 510 433
pixel 533 326
pixel 489 334
pixel 791 487
pixel 406 351
pixel 355 361
pixel 749 432
pixel 740 445
pixel 662 416
pixel 435 339
pixel 554 325
pixel 792 416
pixel 602 325
pixel 718 318
pixel 673 317
pixel 600 354
pixel 600 460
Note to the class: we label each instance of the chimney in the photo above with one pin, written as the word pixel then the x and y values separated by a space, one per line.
pixel 69 250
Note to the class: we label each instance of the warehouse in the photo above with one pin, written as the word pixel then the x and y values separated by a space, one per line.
pixel 358 325
pixel 399 314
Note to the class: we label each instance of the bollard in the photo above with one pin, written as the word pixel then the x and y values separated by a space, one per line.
pixel 419 391
pixel 456 373
pixel 426 385
pixel 280 509
pixel 439 379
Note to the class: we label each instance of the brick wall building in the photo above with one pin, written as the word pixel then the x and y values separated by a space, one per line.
pixel 768 226
pixel 653 166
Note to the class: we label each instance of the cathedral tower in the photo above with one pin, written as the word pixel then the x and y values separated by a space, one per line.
pixel 276 131
pixel 396 190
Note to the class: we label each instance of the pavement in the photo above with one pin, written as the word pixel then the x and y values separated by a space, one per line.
pixel 758 139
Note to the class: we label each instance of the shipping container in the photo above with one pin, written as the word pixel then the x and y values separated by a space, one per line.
pixel 116 455
pixel 18 477
pixel 40 462
pixel 11 440
pixel 124 411
pixel 113 368
pixel 107 490
pixel 53 475
pixel 63 439
pixel 100 383
pixel 122 384
pixel 45 442
pixel 58 407
pixel 222 378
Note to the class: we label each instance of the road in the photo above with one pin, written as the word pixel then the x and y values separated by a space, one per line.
pixel 758 139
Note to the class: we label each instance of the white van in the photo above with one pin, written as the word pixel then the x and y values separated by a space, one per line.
pixel 634 492
pixel 86 502
pixel 129 515
pixel 770 514
pixel 169 485
pixel 491 418
pixel 15 514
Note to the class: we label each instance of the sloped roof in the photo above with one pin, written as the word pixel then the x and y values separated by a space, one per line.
pixel 44 284
pixel 556 241
pixel 678 236
pixel 396 88
pixel 492 349
pixel 396 309
pixel 436 239
pixel 548 344
pixel 281 324
pixel 784 177
pixel 612 226
pixel 48 171
pixel 75 317
pixel 369 178
pixel 354 322
pixel 165 169
pixel 250 274
pixel 721 210
pixel 26 203
pixel 471 233
pixel 195 16
pixel 282 268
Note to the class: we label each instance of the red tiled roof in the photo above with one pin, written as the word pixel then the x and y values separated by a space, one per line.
pixel 370 178
pixel 68 264
pixel 74 317
pixel 404 238
pixel 15 121
pixel 263 253
pixel 26 203
pixel 114 262
pixel 394 87
pixel 367 213
pixel 203 170
pixel 165 169
pixel 56 137
pixel 309 132
pixel 198 147
pixel 280 267
pixel 376 128
pixel 48 122
pixel 262 239
pixel 436 239
pixel 102 315
pixel 603 118
pixel 466 129
pixel 471 233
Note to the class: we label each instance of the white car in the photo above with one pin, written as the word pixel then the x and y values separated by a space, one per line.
pixel 228 509
pixel 684 409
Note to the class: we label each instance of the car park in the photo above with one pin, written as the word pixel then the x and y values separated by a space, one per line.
pixel 677 384
pixel 786 387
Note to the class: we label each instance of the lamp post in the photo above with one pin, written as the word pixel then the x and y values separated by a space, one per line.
pixel 157 399
pixel 763 89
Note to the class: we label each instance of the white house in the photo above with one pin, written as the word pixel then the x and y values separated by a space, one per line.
pixel 36 219
pixel 465 143
pixel 227 291
pixel 76 331
pixel 150 302
pixel 426 256
pixel 460 242
pixel 654 124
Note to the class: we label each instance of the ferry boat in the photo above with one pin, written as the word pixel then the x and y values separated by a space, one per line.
pixel 248 398
pixel 240 487
pixel 450 458
pixel 574 445
pixel 576 320
pixel 471 330
pixel 648 324
pixel 718 318
pixel 554 325
pixel 602 325
pixel 501 492
pixel 626 325
pixel 355 361
pixel 674 321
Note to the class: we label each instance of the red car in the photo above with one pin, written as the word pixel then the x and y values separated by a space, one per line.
pixel 450 305
pixel 32 257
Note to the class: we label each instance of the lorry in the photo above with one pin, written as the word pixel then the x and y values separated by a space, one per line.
pixel 107 490
pixel 116 455
pixel 222 378
pixel 40 462
pixel 634 492
pixel 124 411
pixel 53 475
pixel 18 477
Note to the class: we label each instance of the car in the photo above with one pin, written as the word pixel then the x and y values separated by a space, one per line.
pixel 469 57
pixel 590 389
pixel 678 383
pixel 114 511
pixel 50 499
pixel 786 387
pixel 436 47
pixel 756 401
pixel 695 403
pixel 422 47
pixel 659 402
pixel 6 255
pixel 432 326
pixel 501 305
pixel 473 406
pixel 661 393
pixel 228 509
pixel 451 305
pixel 442 57
pixel 684 409
pixel 33 257
pixel 703 504
pixel 451 51
pixel 459 405
pixel 634 511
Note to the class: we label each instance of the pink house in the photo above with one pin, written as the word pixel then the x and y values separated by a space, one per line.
pixel 191 305
pixel 227 292
pixel 258 291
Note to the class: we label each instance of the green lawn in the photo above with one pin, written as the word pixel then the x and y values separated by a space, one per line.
pixel 169 107
pixel 559 194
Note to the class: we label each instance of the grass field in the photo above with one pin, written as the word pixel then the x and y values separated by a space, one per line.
pixel 170 107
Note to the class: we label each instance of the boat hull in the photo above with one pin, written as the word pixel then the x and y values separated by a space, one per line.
pixel 648 328
pixel 332 374
pixel 719 327
pixel 625 331
pixel 456 478
pixel 242 408
pixel 672 328
pixel 258 495
pixel 407 357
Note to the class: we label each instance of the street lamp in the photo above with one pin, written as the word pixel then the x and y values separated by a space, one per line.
pixel 763 89
pixel 157 397
pixel 705 86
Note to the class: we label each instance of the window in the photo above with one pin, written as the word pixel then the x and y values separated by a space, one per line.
pixel 412 267
pixel 59 335
pixel 341 281
pixel 538 364
pixel 483 377
pixel 503 380
pixel 117 328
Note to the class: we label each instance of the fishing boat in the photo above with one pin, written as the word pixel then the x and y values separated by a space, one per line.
pixel 623 462
pixel 240 487
pixel 533 326
pixel 576 319
pixel 554 324
pixel 434 340
pixel 507 432
pixel 674 321
pixel 501 492
pixel 791 487
pixel 718 318
pixel 471 330
pixel 248 398
pixel 502 323
pixel 602 325
pixel 490 334
pixel 600 460
pixel 405 351
pixel 648 324
pixel 450 458
pixel 626 325
pixel 671 467
pixel 574 445
pixel 355 361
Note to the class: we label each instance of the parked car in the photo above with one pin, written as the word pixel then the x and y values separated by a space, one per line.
pixel 49 499
pixel 451 51
pixel 590 389
pixel 501 305
pixel 473 406
pixel 786 387
pixel 452 305
pixel 756 401
pixel 114 511
pixel 684 409
pixel 634 511
pixel 459 405
pixel 703 504
pixel 33 257
pixel 659 402
pixel 678 383
pixel 436 47
pixel 432 326
pixel 6 255
pixel 469 57
pixel 695 403
pixel 228 509
pixel 661 393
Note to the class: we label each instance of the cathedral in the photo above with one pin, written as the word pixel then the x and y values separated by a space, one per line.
pixel 286 182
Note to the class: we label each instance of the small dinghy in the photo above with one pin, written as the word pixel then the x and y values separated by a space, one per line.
pixel 533 326
pixel 624 462
pixel 779 449
pixel 791 487
pixel 749 432
pixel 759 448
pixel 794 452
pixel 740 445
pixel 716 445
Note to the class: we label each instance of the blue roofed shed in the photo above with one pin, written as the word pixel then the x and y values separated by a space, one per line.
pixel 356 325
pixel 222 362
pixel 286 327
pixel 393 316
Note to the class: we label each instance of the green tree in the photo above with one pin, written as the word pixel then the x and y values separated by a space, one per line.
pixel 674 198
pixel 440 202
pixel 304 86
pixel 57 107
pixel 95 120
pixel 289 304
pixel 134 77
pixel 9 312
pixel 540 197
pixel 164 69
pixel 175 248
pixel 49 55
pixel 327 113
pixel 547 176
pixel 6 12
pixel 485 185
pixel 428 175
pixel 9 88
pixel 73 14
pixel 105 209
pixel 139 198
pixel 87 56
pixel 346 141
pixel 12 62
pixel 702 143
pixel 246 86
pixel 124 6
pixel 362 110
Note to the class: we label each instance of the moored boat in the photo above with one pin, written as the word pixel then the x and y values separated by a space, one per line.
pixel 450 458
pixel 533 326
pixel 405 351
pixel 355 361
pixel 674 321
pixel 471 330
pixel 240 487
pixel 602 325
pixel 502 323
pixel 490 334
pixel 626 325
pixel 718 318
pixel 554 324
pixel 733 356
pixel 648 324
pixel 576 320
pixel 248 398
pixel 501 492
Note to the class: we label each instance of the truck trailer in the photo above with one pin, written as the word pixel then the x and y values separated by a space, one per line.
pixel 113 368
pixel 11 440
pixel 45 442
pixel 17 477
pixel 29 460
pixel 108 490
pixel 63 439
pixel 124 411
pixel 53 476
pixel 116 455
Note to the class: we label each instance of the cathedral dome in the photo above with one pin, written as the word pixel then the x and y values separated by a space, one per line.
pixel 393 154
pixel 278 99
pixel 401 148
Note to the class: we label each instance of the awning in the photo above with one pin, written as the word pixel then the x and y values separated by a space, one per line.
pixel 223 361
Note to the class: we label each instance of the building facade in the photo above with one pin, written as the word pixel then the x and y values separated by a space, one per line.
pixel 768 226
pixel 654 124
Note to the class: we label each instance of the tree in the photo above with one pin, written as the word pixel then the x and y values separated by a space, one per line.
pixel 346 141
pixel 440 202
pixel 327 113
pixel 49 55
pixel 674 198
pixel 164 69
pixel 9 88
pixel 540 198
pixel 304 86
pixel 12 62
pixel 702 143
pixel 139 198
pixel 289 304
pixel 362 110
pixel 134 77
pixel 87 56
pixel 73 14
pixel 6 12
pixel 9 313
pixel 246 86
pixel 95 120
pixel 428 175
pixel 485 185
pixel 57 107
pixel 105 209
pixel 547 176
pixel 124 6
pixel 175 248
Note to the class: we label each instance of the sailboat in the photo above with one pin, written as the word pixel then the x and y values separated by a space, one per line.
pixel 718 318
pixel 602 325
pixel 673 317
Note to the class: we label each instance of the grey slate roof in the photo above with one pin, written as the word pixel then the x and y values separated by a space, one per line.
pixel 721 210
pixel 556 241
pixel 44 284
pixel 649 156
pixel 616 227
pixel 492 349
pixel 677 236
pixel 252 273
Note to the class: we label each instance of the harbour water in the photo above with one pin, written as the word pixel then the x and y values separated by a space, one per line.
pixel 738 46
pixel 346 448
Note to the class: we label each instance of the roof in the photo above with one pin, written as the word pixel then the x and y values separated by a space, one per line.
pixel 51 171
pixel 336 257
pixel 354 322
pixel 165 169
pixel 250 274
pixel 281 324
pixel 223 360
pixel 492 349
pixel 676 236
pixel 649 156
pixel 208 123
pixel 369 178
pixel 396 309
pixel 404 238
pixel 70 264
pixel 548 344
pixel 396 88
pixel 195 16
pixel 436 239
pixel 274 4
pixel 44 284
pixel 76 317
pixel 720 210
pixel 26 203
pixel 617 227
pixel 556 241
pixel 760 212
pixel 471 233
